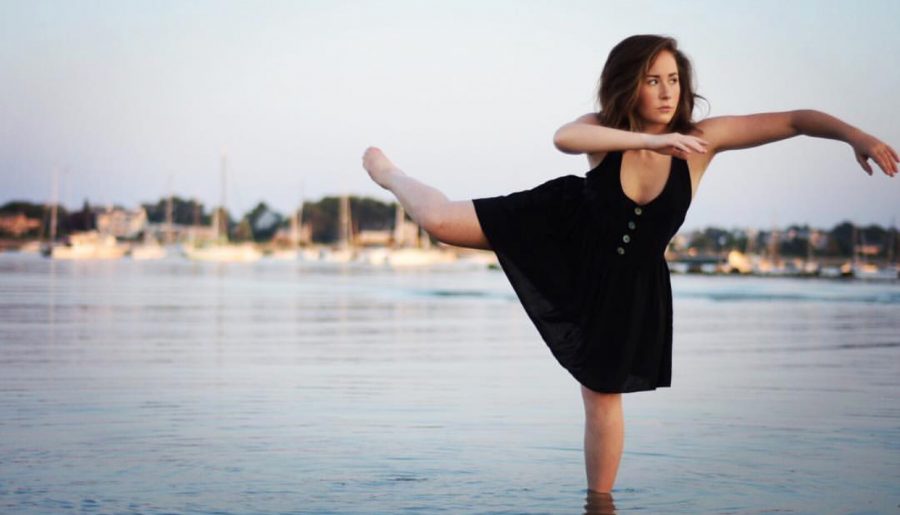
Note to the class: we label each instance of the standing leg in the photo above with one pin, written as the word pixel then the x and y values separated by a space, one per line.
pixel 604 434
pixel 452 222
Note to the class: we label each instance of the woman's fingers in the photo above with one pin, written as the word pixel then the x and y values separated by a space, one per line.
pixel 886 161
pixel 889 167
pixel 892 158
pixel 861 159
pixel 696 143
pixel 683 143
pixel 894 153
pixel 884 156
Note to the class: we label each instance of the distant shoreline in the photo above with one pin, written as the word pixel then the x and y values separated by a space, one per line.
pixel 732 263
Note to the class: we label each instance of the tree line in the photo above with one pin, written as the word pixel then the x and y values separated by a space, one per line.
pixel 261 223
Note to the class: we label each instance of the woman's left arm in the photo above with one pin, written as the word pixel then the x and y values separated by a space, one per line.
pixel 736 132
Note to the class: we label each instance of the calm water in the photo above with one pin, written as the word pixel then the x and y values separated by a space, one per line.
pixel 176 387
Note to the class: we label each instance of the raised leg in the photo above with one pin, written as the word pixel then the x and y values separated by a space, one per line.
pixel 604 435
pixel 452 222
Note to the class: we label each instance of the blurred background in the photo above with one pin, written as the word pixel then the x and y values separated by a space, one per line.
pixel 132 101
pixel 208 307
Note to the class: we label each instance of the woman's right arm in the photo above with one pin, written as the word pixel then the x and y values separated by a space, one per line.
pixel 585 135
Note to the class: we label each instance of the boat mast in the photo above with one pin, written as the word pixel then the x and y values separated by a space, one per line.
pixel 224 234
pixel 892 239
pixel 170 214
pixel 295 228
pixel 220 220
pixel 399 219
pixel 54 206
pixel 344 221
pixel 297 221
pixel 809 246
pixel 774 247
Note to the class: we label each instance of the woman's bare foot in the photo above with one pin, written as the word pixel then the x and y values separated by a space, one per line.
pixel 380 168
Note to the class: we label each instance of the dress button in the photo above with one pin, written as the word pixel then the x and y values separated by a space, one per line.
pixel 620 250
pixel 631 225
pixel 638 211
pixel 626 238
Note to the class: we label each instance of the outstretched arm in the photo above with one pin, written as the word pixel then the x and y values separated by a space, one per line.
pixel 737 132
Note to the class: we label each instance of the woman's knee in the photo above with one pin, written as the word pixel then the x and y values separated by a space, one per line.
pixel 435 222
pixel 600 400
pixel 455 223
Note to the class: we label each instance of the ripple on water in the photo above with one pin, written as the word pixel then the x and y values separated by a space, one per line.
pixel 185 389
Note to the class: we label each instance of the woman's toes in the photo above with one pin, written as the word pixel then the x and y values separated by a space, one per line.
pixel 378 166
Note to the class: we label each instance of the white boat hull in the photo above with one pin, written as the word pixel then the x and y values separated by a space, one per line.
pixel 89 245
pixel 403 258
pixel 224 253
pixel 148 252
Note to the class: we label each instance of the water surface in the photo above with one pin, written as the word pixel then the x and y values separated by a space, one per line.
pixel 179 387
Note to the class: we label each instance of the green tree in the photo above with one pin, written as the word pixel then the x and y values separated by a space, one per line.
pixel 184 212
pixel 263 222
pixel 366 213
pixel 28 209
pixel 842 237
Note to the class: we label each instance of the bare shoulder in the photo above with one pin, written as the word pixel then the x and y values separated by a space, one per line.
pixel 711 129
pixel 589 118
pixel 709 123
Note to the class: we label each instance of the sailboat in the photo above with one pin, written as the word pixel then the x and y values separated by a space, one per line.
pixel 295 236
pixel 421 253
pixel 151 248
pixel 89 245
pixel 344 251
pixel 46 247
pixel 811 266
pixel 221 251
pixel 81 245
pixel 870 271
pixel 292 252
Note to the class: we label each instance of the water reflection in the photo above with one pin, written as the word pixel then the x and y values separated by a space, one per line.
pixel 599 503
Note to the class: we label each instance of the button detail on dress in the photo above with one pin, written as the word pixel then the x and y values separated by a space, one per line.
pixel 638 211
pixel 626 238
pixel 620 250
pixel 631 225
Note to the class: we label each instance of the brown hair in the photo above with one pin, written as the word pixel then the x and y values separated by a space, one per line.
pixel 626 66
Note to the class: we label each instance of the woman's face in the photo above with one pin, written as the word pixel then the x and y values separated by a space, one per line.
pixel 659 89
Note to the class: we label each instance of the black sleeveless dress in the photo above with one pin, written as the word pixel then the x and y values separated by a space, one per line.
pixel 587 264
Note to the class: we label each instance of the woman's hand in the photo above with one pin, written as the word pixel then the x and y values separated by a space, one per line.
pixel 676 144
pixel 865 147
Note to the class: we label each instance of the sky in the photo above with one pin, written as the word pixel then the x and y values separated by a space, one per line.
pixel 131 100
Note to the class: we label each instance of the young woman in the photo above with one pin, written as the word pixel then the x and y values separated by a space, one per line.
pixel 585 254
